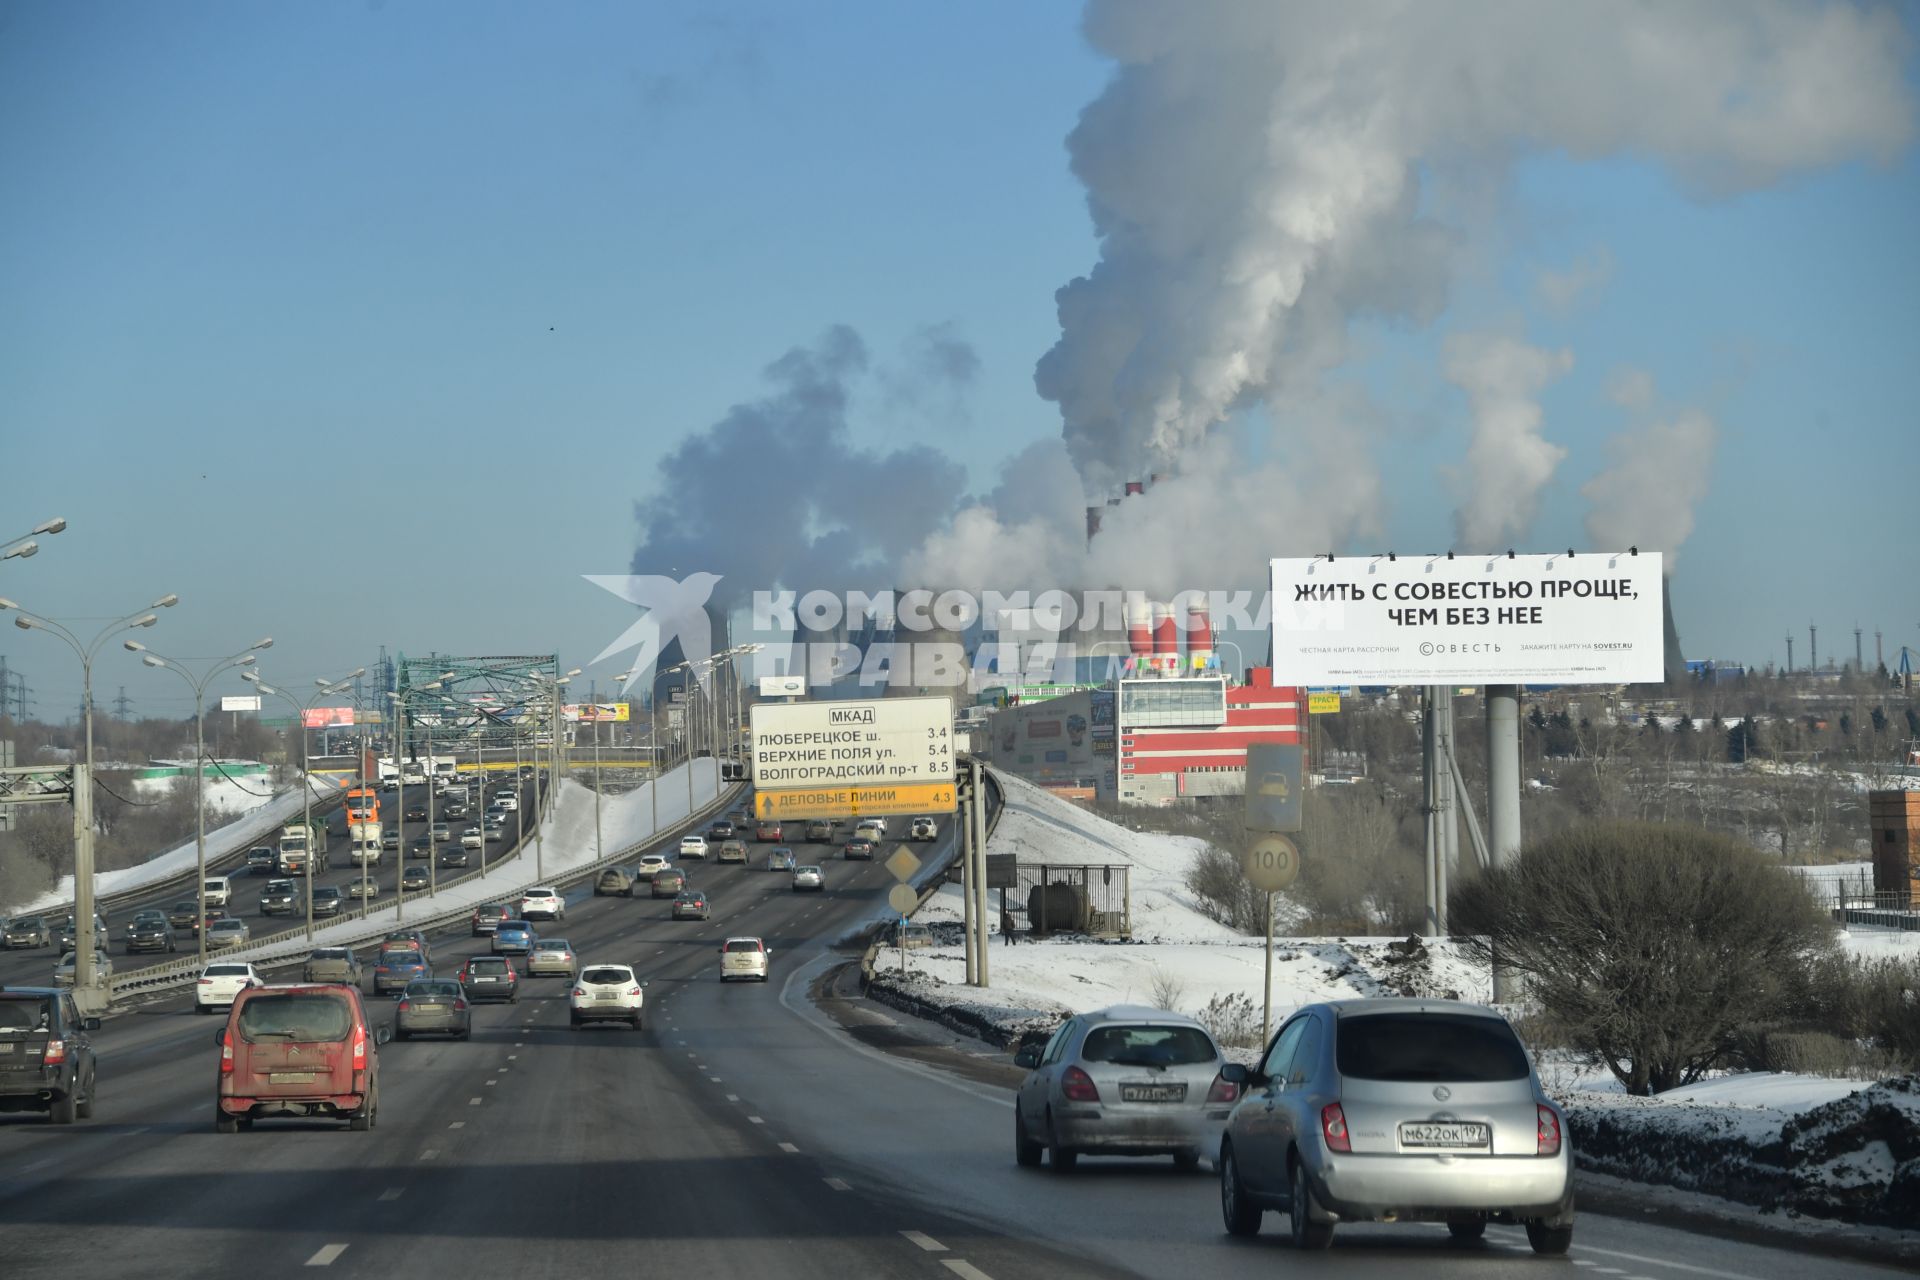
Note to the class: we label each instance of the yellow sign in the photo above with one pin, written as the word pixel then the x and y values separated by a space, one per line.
pixel 856 802
pixel 1323 704
pixel 597 712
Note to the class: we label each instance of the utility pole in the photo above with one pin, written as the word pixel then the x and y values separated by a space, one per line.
pixel 1789 654
pixel 1859 660
pixel 1813 647
pixel 121 704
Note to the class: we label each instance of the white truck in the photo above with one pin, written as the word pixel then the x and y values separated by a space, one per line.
pixel 365 837
pixel 297 840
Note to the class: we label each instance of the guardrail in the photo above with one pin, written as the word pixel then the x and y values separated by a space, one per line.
pixel 274 950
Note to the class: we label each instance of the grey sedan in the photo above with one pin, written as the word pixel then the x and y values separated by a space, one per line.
pixel 332 964
pixel 1397 1110
pixel 433 1006
pixel 1123 1081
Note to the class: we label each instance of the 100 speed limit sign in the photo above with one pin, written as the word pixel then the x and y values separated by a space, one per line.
pixel 1272 863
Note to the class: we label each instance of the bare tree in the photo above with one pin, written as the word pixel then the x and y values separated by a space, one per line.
pixel 1653 945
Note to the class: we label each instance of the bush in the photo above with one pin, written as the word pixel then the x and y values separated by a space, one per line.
pixel 1222 891
pixel 1655 946
pixel 1233 1020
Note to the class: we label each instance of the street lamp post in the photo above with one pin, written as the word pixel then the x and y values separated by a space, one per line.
pixel 23 546
pixel 300 709
pixel 401 702
pixel 242 659
pixel 83 791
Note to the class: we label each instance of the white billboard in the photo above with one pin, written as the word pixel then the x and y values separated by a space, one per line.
pixel 846 743
pixel 240 702
pixel 783 686
pixel 1590 618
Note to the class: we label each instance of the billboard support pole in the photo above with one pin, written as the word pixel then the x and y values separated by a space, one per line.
pixel 974 816
pixel 1503 798
pixel 1429 775
pixel 1447 813
pixel 964 796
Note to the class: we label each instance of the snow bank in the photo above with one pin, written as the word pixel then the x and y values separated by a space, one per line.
pixel 265 816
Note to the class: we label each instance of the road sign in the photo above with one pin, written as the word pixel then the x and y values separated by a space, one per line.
pixel 1274 786
pixel 847 743
pixel 1272 863
pixel 1323 704
pixel 841 802
pixel 1003 871
pixel 903 864
pixel 902 898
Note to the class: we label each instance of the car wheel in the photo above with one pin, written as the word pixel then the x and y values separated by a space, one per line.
pixel 1546 1239
pixel 224 1123
pixel 64 1110
pixel 1468 1230
pixel 85 1108
pixel 1026 1152
pixel 1060 1157
pixel 363 1119
pixel 636 1022
pixel 573 1020
pixel 1186 1161
pixel 1242 1216
pixel 1307 1233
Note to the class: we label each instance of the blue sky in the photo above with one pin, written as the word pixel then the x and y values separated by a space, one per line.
pixel 368 325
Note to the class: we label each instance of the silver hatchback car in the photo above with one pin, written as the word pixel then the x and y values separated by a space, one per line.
pixel 1123 1081
pixel 1397 1110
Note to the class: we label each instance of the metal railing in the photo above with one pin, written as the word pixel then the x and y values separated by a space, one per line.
pixel 1855 904
pixel 290 946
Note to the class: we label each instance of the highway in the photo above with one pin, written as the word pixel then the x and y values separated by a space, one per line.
pixel 742 1133
pixel 35 965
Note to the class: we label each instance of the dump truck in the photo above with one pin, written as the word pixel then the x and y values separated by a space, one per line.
pixel 296 840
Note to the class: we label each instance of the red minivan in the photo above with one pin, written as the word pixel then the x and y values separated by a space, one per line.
pixel 305 1050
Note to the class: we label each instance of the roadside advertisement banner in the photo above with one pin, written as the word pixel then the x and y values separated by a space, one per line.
pixel 240 702
pixel 1586 618
pixel 326 717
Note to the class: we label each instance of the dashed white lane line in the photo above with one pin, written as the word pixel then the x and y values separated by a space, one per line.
pixel 458 1124
pixel 755 1120
pixel 503 1070
pixel 1661 1263
pixel 790 1149
pixel 520 1044
pixel 690 1055
pixel 733 1097
pixel 925 1241
pixel 489 1083
pixel 473 1102
pixel 326 1254
pixel 429 1153
pixel 964 1269
pixel 393 1193
pixel 713 1079
pixel 838 1185
pixel 512 1057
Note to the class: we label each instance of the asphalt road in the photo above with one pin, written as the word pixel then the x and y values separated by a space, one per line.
pixel 35 965
pixel 740 1134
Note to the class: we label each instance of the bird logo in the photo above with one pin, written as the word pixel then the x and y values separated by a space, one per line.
pixel 674 610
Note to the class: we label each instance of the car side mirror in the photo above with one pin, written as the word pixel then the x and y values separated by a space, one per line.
pixel 1028 1057
pixel 1237 1074
pixel 90 1024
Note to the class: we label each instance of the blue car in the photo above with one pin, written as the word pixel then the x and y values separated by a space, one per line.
pixel 397 966
pixel 514 935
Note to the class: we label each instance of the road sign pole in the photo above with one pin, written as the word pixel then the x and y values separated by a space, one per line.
pixel 966 883
pixel 972 816
pixel 1266 1002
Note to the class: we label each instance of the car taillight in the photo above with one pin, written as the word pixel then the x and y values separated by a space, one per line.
pixel 359 1049
pixel 1078 1086
pixel 206 982
pixel 1333 1127
pixel 56 1052
pixel 404 1004
pixel 634 991
pixel 579 991
pixel 226 1055
pixel 1222 1091
pixel 459 1006
pixel 1549 1130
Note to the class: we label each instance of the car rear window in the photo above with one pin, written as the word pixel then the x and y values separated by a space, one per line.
pixel 1423 1047
pixel 24 1015
pixel 742 944
pixel 550 944
pixel 1148 1046
pixel 296 1016
pixel 331 954
pixel 484 964
pixel 226 971
pixel 607 977
pixel 420 990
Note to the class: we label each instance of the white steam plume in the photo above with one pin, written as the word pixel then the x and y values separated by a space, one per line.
pixel 1508 463
pixel 1647 498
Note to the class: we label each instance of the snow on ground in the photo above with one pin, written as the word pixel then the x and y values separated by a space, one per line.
pixel 228 798
pixel 265 817
pixel 1832 1148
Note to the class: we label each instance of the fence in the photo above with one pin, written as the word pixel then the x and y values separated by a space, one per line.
pixel 1857 905
pixel 1071 898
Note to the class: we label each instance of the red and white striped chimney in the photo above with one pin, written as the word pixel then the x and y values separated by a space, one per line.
pixel 1199 637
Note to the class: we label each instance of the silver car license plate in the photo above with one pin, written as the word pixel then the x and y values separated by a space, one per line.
pixel 1439 1134
pixel 1153 1093
pixel 606 995
pixel 7 1047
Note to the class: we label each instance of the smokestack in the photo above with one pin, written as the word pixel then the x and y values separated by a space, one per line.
pixel 1813 647
pixel 1676 662
pixel 1199 638
pixel 1166 636
pixel 1093 521
pixel 1135 488
pixel 1139 625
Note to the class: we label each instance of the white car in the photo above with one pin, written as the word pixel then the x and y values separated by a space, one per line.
pixel 924 829
pixel 606 993
pixel 650 863
pixel 809 878
pixel 874 829
pixel 510 802
pixel 472 838
pixel 220 983
pixel 219 891
pixel 542 904
pixel 693 846
pixel 228 933
pixel 743 958
pixel 363 888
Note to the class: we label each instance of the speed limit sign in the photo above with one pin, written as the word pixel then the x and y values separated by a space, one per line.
pixel 1272 863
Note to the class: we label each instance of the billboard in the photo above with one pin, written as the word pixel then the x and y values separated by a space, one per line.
pixel 240 702
pixel 890 741
pixel 326 717
pixel 783 686
pixel 596 712
pixel 1590 618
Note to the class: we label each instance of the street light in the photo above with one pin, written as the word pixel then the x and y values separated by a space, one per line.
pixel 400 703
pixel 306 778
pixel 244 658
pixel 22 546
pixel 83 794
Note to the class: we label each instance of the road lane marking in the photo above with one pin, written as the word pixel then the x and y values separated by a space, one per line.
pixel 1664 1263
pixel 429 1153
pixel 326 1255
pixel 790 1149
pixel 838 1185
pixel 37 1164
pixel 393 1193
pixel 512 1057
pixel 458 1124
pixel 473 1102
pixel 503 1068
pixel 755 1120
pixel 964 1269
pixel 925 1241
pixel 733 1097
pixel 489 1083
pixel 714 1079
